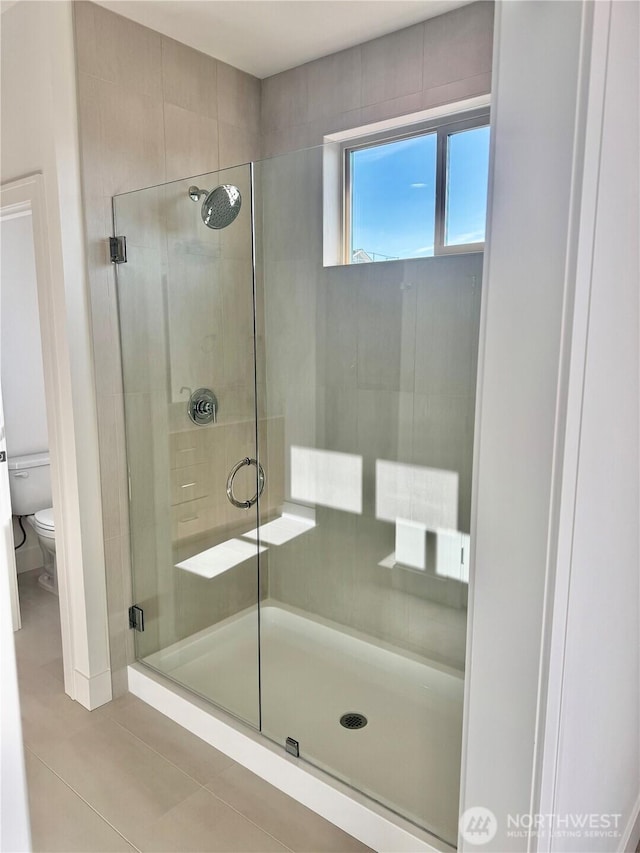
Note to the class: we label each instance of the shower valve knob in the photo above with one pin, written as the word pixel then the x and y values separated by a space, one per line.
pixel 202 407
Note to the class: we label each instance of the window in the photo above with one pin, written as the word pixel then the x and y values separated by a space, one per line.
pixel 416 195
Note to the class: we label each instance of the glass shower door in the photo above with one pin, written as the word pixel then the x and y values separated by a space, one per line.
pixel 370 388
pixel 186 310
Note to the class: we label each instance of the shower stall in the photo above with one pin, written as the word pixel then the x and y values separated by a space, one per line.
pixel 299 442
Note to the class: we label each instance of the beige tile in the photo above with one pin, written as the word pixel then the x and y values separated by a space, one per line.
pixel 47 712
pixel 109 471
pixel 119 776
pixel 393 108
pixel 188 484
pixel 142 282
pixel 203 823
pixel 285 100
pixel 447 322
pixel 380 424
pixel 61 820
pixel 189 78
pixel 271 455
pixel 195 307
pixel 278 142
pixel 144 560
pixel 123 491
pixel 188 446
pixel 238 98
pixel 117 607
pixel 120 51
pixel 318 128
pixel 459 90
pixel 392 65
pixel 191 141
pixel 338 340
pixel 54 669
pixel 141 216
pixel 235 239
pixel 380 327
pixel 39 640
pixel 106 344
pixel 335 83
pixel 238 351
pixel 132 139
pixel 141 465
pixel 458 44
pixel 291 823
pixel 85 35
pixel 90 134
pixel 443 438
pixel 237 145
pixel 192 755
pixel 184 229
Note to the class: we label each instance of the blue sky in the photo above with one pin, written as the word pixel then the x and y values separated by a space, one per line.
pixel 394 200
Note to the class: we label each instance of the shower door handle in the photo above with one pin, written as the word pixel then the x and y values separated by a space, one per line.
pixel 261 480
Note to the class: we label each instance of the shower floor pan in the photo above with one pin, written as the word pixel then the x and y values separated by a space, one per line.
pixel 406 757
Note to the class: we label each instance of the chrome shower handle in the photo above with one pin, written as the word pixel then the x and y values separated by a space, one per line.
pixel 261 480
pixel 202 407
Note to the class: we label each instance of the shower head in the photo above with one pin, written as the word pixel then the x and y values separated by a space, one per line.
pixel 220 206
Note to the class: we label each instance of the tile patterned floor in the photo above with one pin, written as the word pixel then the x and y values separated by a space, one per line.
pixel 124 777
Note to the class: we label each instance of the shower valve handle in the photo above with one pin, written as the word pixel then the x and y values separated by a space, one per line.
pixel 202 407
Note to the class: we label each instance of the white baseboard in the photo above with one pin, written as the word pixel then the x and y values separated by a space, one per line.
pixel 354 813
pixel 92 692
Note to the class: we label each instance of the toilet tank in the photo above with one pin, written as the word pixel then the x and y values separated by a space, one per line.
pixel 30 483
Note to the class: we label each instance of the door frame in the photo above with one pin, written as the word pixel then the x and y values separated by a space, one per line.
pixel 81 587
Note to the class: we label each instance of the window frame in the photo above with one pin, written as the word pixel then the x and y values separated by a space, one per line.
pixel 443 127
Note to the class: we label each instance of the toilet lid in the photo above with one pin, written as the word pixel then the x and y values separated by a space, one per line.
pixel 44 518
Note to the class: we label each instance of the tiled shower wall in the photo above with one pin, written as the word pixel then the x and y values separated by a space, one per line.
pixel 153 110
pixel 443 60
pixel 385 354
pixel 150 110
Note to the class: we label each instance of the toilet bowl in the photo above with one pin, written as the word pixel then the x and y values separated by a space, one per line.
pixel 30 487
pixel 43 525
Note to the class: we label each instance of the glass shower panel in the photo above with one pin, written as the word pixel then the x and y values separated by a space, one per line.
pixel 185 298
pixel 369 390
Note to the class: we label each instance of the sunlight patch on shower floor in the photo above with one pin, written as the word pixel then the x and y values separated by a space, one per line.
pixel 314 672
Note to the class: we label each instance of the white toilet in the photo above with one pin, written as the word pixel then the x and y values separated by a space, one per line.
pixel 30 485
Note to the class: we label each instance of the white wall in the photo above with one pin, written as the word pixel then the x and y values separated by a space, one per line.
pixel 592 754
pixel 39 134
pixel 553 712
pixel 22 376
pixel 522 332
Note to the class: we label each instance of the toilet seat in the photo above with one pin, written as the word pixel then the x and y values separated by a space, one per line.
pixel 44 523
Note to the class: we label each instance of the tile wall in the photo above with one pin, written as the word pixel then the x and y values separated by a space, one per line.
pixel 443 60
pixel 377 360
pixel 152 110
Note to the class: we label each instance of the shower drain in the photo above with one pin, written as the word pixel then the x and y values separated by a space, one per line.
pixel 353 720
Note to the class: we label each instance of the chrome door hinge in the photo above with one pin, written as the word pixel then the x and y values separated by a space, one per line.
pixel 292 747
pixel 118 250
pixel 136 618
pixel 3 456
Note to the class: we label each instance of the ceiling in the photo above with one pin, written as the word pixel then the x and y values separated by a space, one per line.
pixel 264 37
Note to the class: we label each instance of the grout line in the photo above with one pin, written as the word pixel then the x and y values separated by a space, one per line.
pixel 80 797
pixel 204 787
pixel 248 819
